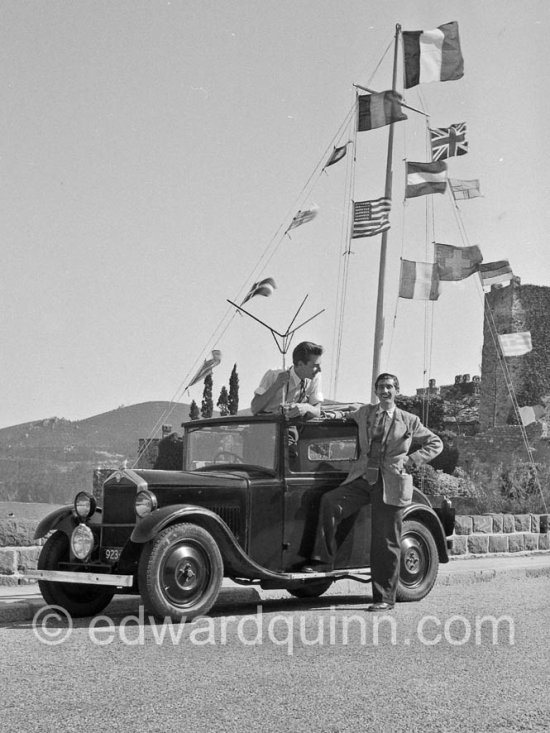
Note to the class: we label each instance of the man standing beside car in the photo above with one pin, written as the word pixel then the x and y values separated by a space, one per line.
pixel 380 477
pixel 297 388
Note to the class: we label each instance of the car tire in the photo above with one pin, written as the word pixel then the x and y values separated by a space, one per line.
pixel 180 572
pixel 310 588
pixel 77 599
pixel 419 562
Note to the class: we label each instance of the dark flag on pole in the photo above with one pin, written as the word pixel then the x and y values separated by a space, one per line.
pixel 336 155
pixel 457 263
pixel 377 110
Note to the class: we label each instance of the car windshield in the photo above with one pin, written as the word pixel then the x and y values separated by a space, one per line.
pixel 237 443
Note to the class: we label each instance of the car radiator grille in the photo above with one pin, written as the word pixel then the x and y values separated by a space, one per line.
pixel 118 505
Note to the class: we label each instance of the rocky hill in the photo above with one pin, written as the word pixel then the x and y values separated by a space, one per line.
pixel 48 460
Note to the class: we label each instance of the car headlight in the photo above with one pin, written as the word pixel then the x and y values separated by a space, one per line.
pixel 82 541
pixel 146 502
pixel 84 505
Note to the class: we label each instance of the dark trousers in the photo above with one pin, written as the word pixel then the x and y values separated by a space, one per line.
pixel 385 545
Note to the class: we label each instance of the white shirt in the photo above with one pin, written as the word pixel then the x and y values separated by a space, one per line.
pixel 314 394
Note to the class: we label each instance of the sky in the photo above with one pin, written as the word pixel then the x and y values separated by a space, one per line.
pixel 154 153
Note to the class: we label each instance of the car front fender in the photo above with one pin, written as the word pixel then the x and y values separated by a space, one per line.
pixel 153 523
pixel 62 519
pixel 429 518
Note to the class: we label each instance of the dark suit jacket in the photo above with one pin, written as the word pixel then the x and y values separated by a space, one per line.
pixel 398 486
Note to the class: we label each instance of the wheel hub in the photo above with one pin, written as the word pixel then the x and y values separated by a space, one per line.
pixel 184 574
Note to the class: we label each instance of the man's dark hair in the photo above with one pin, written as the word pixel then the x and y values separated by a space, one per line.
pixel 304 351
pixel 385 375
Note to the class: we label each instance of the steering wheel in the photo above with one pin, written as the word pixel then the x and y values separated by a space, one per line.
pixel 221 456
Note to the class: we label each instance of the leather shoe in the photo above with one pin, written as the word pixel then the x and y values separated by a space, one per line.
pixel 316 567
pixel 380 607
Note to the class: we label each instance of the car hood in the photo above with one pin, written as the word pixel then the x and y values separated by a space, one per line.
pixel 196 479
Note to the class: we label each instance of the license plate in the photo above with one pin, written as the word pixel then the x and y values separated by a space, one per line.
pixel 111 554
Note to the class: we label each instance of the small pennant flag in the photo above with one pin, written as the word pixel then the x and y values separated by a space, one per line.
pixel 426 178
pixel 515 344
pixel 449 141
pixel 336 155
pixel 419 280
pixel 457 263
pixel 464 189
pixel 370 217
pixel 493 273
pixel 206 368
pixel 377 110
pixel 263 287
pixel 302 217
pixel 432 55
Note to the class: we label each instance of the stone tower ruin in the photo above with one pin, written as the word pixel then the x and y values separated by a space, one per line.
pixel 510 309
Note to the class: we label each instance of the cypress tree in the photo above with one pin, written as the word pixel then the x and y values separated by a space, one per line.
pixel 207 404
pixel 223 402
pixel 233 399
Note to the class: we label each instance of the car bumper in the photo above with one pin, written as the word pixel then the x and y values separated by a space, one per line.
pixel 67 576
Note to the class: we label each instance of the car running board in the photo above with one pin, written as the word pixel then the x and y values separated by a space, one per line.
pixel 362 575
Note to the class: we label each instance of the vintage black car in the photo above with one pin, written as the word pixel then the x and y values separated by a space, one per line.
pixel 243 505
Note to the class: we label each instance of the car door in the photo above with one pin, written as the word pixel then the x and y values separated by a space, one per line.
pixel 319 458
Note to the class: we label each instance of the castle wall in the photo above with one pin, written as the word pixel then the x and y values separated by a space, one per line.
pixel 507 310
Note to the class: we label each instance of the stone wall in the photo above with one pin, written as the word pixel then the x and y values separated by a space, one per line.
pixel 493 533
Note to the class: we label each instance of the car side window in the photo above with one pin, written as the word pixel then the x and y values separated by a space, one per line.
pixel 324 448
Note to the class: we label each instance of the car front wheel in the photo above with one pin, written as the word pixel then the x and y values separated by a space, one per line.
pixel 419 562
pixel 78 599
pixel 180 572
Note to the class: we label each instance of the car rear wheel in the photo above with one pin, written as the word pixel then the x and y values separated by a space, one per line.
pixel 419 562
pixel 77 599
pixel 310 588
pixel 180 572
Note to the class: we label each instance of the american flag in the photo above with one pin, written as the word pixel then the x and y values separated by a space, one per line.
pixel 370 217
pixel 449 141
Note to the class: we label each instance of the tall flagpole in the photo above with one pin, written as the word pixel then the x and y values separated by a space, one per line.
pixel 379 327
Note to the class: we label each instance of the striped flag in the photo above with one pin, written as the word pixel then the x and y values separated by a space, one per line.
pixel 419 280
pixel 432 55
pixel 263 287
pixel 302 217
pixel 370 217
pixel 464 189
pixel 377 110
pixel 207 367
pixel 492 273
pixel 449 141
pixel 426 178
pixel 515 344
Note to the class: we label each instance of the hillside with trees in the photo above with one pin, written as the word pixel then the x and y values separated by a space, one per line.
pixel 49 460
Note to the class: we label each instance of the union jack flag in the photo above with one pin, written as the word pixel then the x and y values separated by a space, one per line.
pixel 449 141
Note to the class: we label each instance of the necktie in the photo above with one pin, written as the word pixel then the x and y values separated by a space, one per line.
pixel 375 453
pixel 302 393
